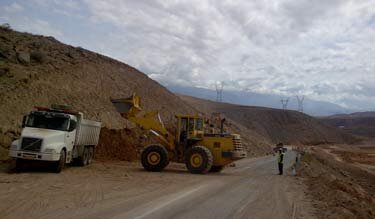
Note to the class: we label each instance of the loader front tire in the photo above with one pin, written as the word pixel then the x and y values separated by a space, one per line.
pixel 198 160
pixel 154 158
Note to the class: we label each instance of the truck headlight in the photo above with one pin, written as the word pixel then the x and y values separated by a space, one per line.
pixel 50 150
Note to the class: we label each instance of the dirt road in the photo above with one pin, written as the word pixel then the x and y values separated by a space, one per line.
pixel 252 189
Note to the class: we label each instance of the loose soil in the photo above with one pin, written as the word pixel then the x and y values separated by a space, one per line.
pixel 339 187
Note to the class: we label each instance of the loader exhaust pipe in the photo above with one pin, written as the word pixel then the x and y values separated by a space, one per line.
pixel 222 126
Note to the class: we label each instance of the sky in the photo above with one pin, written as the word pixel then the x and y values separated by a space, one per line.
pixel 323 49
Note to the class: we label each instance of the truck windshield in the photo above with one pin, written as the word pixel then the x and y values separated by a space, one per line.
pixel 47 121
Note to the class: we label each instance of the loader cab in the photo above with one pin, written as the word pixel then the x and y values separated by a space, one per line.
pixel 189 128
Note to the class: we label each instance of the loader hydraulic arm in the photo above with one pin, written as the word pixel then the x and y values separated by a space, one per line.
pixel 130 109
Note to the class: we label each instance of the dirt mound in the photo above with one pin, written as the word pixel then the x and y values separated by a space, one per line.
pixel 37 70
pixel 340 190
pixel 118 144
pixel 290 127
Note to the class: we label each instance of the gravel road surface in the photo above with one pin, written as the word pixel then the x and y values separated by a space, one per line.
pixel 251 189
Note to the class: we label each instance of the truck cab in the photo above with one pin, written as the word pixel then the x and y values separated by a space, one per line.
pixel 52 134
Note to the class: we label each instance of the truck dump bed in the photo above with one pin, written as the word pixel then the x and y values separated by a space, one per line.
pixel 88 132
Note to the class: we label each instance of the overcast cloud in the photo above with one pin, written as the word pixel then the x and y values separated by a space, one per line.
pixel 324 49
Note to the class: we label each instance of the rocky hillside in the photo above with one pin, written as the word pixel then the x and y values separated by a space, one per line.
pixel 361 123
pixel 37 70
pixel 275 125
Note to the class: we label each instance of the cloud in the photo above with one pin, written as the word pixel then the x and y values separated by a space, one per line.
pixel 317 48
pixel 323 49
pixel 33 26
pixel 13 8
pixel 42 27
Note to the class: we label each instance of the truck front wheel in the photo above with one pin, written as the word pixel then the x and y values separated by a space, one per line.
pixel 61 163
pixel 18 165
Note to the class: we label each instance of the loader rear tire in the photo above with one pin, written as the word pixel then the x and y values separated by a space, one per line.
pixel 198 160
pixel 154 158
pixel 216 169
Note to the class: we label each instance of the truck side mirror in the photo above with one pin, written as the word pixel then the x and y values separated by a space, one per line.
pixel 24 121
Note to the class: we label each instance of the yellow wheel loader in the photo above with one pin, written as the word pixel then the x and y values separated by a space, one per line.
pixel 201 152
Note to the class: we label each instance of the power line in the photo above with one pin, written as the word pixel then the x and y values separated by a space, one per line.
pixel 300 100
pixel 219 91
pixel 284 103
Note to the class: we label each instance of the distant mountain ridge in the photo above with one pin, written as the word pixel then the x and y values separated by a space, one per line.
pixel 355 115
pixel 274 125
pixel 359 123
pixel 311 107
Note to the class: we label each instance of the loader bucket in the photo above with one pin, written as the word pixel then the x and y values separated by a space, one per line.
pixel 127 106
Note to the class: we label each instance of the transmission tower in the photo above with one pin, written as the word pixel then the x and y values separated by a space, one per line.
pixel 219 91
pixel 284 103
pixel 300 100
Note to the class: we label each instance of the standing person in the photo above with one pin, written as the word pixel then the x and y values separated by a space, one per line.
pixel 280 160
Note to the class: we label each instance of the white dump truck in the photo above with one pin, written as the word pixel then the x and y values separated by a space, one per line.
pixel 56 135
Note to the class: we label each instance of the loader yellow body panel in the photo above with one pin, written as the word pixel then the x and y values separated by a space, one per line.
pixel 218 145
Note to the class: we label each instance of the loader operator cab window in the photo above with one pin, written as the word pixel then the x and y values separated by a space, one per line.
pixel 183 129
pixel 191 125
pixel 199 125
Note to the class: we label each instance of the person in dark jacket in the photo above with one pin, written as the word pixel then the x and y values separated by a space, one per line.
pixel 280 160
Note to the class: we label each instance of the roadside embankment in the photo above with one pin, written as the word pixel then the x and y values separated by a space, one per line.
pixel 339 189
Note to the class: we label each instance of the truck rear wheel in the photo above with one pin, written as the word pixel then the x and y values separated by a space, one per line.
pixel 91 155
pixel 198 160
pixel 61 163
pixel 216 169
pixel 84 159
pixel 154 158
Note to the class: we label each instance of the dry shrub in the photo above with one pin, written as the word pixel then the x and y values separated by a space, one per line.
pixel 37 56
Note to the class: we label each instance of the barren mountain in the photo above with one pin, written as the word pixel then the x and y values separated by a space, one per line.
pixel 275 125
pixel 360 123
pixel 37 70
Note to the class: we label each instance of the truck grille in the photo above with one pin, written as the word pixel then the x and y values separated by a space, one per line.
pixel 237 142
pixel 31 144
